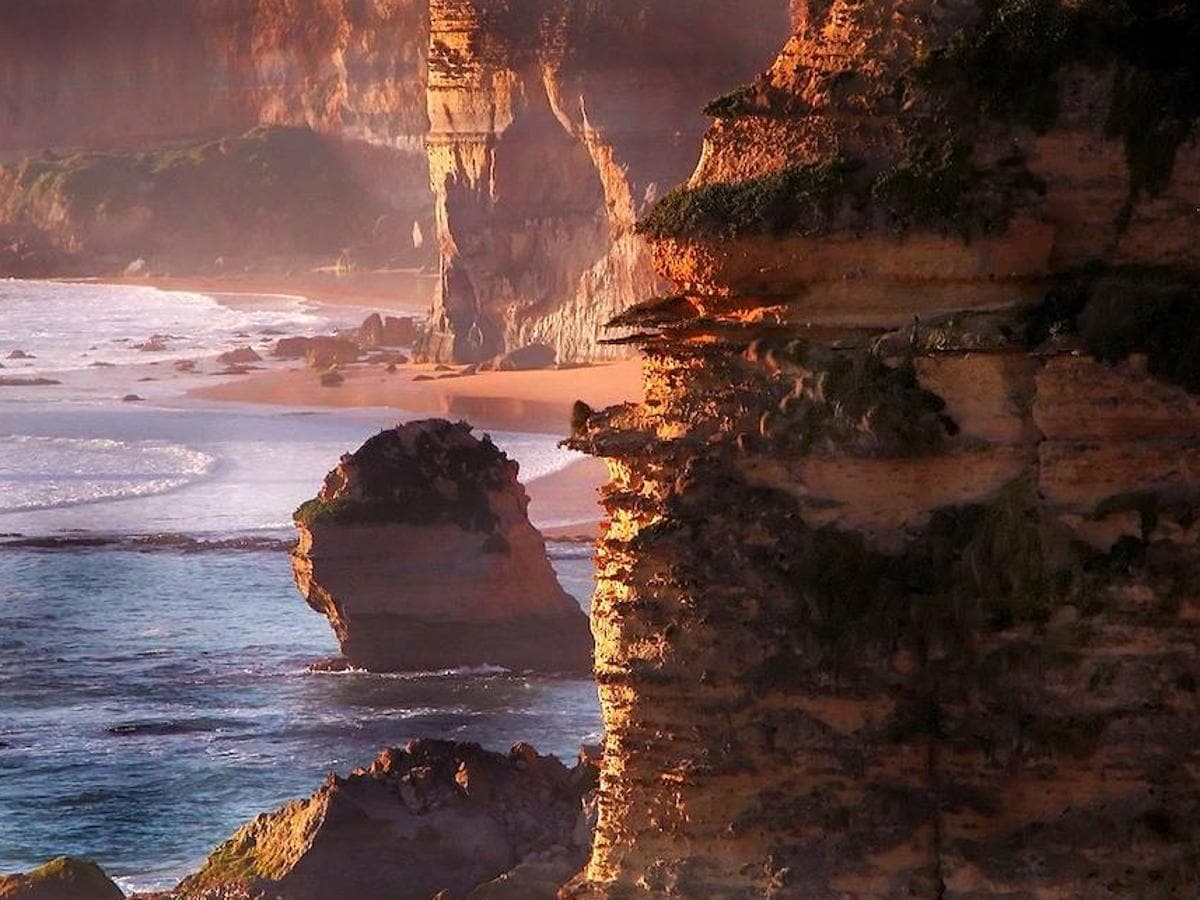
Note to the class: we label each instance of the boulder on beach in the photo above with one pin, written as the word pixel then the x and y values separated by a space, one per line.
pixel 531 356
pixel 399 332
pixel 433 816
pixel 317 351
pixel 239 357
pixel 392 331
pixel 63 878
pixel 20 354
pixel 420 552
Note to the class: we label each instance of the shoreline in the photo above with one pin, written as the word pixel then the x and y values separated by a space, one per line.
pixel 404 291
pixel 563 504
pixel 535 401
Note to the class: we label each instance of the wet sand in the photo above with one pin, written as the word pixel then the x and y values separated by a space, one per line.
pixel 537 401
pixel 564 504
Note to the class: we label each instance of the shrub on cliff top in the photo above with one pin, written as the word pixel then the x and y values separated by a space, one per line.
pixel 797 200
pixel 927 186
pixel 424 473
pixel 738 102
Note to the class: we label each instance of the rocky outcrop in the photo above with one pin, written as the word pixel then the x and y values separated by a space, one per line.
pixel 433 816
pixel 552 124
pixel 897 591
pixel 420 552
pixel 64 878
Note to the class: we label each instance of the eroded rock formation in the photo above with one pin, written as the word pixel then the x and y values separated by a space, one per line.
pixel 433 816
pixel 420 552
pixel 552 124
pixel 897 596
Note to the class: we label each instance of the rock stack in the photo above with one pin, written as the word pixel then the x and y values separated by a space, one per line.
pixel 420 552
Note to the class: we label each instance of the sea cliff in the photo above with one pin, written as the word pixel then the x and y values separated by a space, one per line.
pixel 553 124
pixel 123 90
pixel 893 598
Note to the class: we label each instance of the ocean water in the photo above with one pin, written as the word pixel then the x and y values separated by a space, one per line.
pixel 154 683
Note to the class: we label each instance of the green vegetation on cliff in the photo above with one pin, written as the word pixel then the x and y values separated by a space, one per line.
pixel 273 191
pixel 425 472
pixel 738 102
pixel 797 200
pixel 1007 66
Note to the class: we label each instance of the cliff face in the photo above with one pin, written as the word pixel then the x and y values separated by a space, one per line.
pixel 420 552
pixel 244 200
pixel 896 596
pixel 552 124
pixel 135 75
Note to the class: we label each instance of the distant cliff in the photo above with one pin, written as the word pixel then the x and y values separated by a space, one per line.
pixel 898 593
pixel 129 77
pixel 553 124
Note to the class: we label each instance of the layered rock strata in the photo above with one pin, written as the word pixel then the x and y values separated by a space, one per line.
pixel 433 816
pixel 552 124
pixel 420 552
pixel 897 595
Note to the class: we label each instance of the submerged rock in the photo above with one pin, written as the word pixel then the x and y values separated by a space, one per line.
pixel 433 816
pixel 63 878
pixel 420 552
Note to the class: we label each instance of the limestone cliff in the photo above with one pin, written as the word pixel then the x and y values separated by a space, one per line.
pixel 420 552
pixel 125 76
pixel 242 201
pixel 429 817
pixel 897 595
pixel 552 124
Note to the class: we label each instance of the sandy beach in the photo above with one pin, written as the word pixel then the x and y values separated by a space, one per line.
pixel 534 401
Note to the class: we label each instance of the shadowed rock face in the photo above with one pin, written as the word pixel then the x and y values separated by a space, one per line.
pixel 897 596
pixel 552 124
pixel 420 552
pixel 429 817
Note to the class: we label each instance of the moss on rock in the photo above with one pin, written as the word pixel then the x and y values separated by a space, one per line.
pixel 797 200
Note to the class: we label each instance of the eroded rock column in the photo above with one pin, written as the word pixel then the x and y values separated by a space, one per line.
pixel 896 596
